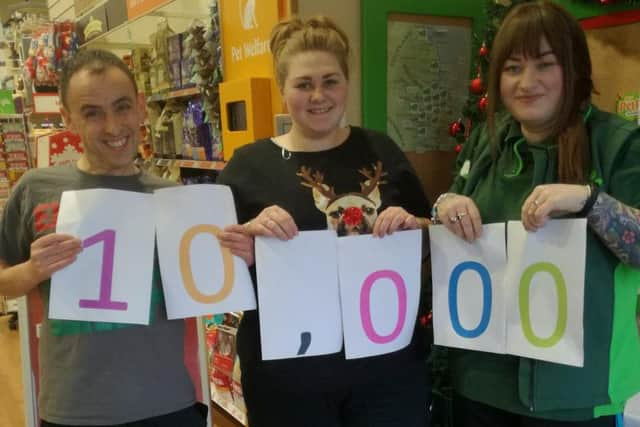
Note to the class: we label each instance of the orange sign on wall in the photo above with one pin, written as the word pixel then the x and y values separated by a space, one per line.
pixel 246 29
pixel 136 8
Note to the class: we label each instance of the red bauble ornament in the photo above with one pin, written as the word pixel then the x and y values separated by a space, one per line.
pixel 456 128
pixel 453 129
pixel 458 148
pixel 425 319
pixel 477 86
pixel 606 2
pixel 483 103
pixel 484 50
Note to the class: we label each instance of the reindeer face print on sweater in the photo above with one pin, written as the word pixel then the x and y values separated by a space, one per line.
pixel 347 213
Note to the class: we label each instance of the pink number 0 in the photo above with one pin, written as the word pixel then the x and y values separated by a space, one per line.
pixel 106 275
pixel 365 306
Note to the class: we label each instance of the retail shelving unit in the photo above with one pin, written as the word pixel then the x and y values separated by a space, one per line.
pixel 15 153
pixel 135 32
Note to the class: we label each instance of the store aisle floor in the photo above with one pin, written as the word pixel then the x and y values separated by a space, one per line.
pixel 11 403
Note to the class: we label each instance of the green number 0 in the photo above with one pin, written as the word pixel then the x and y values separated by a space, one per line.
pixel 525 317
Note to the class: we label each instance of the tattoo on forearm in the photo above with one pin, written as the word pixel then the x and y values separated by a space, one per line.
pixel 618 225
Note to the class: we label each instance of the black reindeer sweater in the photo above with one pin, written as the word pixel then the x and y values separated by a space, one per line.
pixel 343 188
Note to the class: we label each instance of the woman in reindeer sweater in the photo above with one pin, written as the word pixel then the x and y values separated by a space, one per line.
pixel 322 174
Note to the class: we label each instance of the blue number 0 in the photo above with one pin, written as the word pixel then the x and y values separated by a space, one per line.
pixel 486 299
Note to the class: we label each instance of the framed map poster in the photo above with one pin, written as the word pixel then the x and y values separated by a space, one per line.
pixel 383 21
pixel 428 62
pixel 416 61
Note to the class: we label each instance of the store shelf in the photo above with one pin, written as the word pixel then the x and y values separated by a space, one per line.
pixel 238 416
pixel 11 116
pixel 34 25
pixel 200 164
pixel 180 93
pixel 184 163
pixel 135 33
pixel 48 113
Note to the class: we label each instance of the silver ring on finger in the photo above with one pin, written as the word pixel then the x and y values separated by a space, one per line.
pixel 454 219
pixel 461 215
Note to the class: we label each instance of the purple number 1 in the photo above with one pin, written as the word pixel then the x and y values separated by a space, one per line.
pixel 106 275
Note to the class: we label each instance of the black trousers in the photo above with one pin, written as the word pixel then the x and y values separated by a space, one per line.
pixel 193 416
pixel 468 413
pixel 396 402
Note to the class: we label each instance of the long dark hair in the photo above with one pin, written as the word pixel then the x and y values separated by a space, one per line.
pixel 521 32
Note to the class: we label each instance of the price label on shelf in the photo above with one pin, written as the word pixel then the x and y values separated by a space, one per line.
pixel 46 103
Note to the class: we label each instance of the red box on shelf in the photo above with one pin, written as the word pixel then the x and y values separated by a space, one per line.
pixel 58 149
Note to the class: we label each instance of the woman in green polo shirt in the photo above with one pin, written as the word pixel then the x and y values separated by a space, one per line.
pixel 547 152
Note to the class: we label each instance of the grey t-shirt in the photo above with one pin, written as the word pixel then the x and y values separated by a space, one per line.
pixel 92 373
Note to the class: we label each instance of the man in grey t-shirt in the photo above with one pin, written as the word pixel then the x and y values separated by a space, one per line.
pixel 91 373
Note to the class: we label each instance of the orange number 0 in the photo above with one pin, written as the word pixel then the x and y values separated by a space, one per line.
pixel 187 274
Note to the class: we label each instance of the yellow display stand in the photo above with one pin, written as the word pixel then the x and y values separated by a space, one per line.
pixel 246 112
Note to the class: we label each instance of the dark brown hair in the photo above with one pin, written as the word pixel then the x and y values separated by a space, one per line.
pixel 520 33
pixel 96 61
pixel 319 33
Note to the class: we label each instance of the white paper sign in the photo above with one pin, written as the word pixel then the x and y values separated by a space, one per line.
pixel 298 295
pixel 545 282
pixel 468 289
pixel 110 281
pixel 632 412
pixel 380 291
pixel 199 276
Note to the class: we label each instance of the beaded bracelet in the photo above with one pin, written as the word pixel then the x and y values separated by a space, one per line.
pixel 592 197
pixel 434 208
